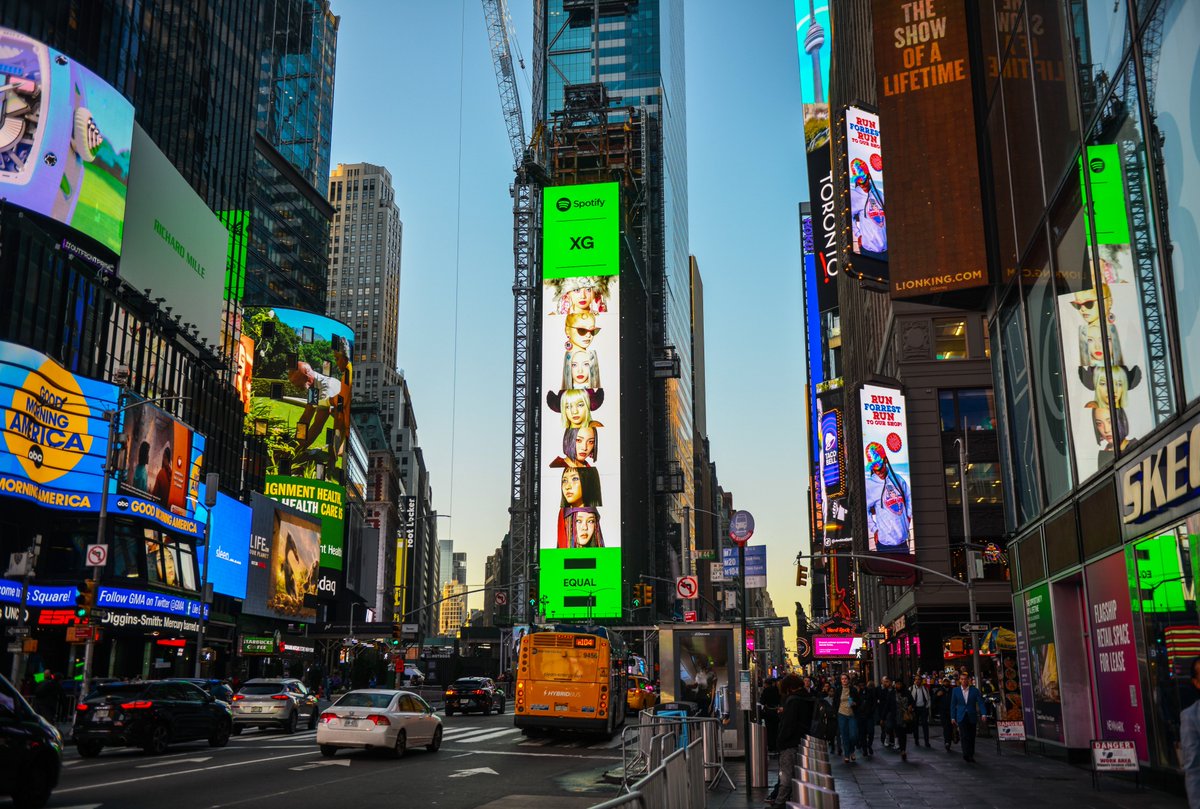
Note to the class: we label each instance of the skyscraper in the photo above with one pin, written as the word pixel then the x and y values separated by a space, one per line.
pixel 289 215
pixel 634 51
pixel 364 271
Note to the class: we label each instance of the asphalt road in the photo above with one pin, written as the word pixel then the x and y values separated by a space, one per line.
pixel 484 762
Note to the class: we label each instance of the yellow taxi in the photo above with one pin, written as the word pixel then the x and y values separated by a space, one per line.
pixel 640 694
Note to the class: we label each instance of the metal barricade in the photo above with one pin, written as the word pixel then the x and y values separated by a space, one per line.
pixel 647 745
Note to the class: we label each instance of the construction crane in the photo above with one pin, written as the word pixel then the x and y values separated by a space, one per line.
pixel 530 176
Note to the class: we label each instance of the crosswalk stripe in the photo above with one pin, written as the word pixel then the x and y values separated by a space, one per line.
pixel 263 737
pixel 462 730
pixel 482 734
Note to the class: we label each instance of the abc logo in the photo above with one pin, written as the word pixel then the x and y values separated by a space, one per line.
pixel 563 204
pixel 35 456
pixel 122 503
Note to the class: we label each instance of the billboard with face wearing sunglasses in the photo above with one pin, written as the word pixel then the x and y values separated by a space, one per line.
pixel 580 492
pixel 887 477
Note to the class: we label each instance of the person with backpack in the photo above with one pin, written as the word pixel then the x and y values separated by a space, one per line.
pixel 824 723
pixel 794 721
pixel 901 716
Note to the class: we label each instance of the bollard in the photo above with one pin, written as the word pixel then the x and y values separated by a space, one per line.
pixel 814 777
pixel 758 755
pixel 815 796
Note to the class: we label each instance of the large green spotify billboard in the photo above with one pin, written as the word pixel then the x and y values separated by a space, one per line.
pixel 581 403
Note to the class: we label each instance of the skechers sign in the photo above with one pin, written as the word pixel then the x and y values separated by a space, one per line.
pixel 55 437
pixel 1157 487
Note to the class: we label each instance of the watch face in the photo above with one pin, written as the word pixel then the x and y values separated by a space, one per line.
pixel 24 65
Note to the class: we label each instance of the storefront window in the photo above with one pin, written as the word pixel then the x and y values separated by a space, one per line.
pixel 967 409
pixel 1019 408
pixel 1174 64
pixel 1048 375
pixel 1163 581
pixel 1101 37
pixel 1137 386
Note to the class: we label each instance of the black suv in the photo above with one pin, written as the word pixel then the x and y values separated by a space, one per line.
pixel 149 715
pixel 30 751
pixel 474 694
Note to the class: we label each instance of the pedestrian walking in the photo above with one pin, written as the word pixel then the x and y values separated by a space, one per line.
pixel 921 702
pixel 868 715
pixel 940 694
pixel 845 702
pixel 886 697
pixel 966 709
pixel 794 721
pixel 900 716
pixel 1189 743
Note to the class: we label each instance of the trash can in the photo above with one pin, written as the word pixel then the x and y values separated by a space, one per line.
pixel 758 755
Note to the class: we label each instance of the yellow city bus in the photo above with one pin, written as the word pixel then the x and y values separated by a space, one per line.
pixel 571 679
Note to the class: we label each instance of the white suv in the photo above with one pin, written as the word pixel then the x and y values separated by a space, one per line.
pixel 278 703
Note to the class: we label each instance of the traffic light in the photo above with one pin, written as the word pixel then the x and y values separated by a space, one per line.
pixel 397 634
pixel 637 595
pixel 85 599
pixel 647 595
pixel 801 575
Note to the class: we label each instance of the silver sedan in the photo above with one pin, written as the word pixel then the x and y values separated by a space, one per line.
pixel 379 719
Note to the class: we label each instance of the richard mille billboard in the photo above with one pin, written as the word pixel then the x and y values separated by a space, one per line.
pixel 581 404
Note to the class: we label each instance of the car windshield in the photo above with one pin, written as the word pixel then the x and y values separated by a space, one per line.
pixel 468 684
pixel 362 699
pixel 256 689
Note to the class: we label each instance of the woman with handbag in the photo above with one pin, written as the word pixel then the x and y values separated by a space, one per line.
pixel 901 716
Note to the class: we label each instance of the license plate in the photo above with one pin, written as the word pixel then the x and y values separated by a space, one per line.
pixel 256 709
pixel 561 706
pixel 349 723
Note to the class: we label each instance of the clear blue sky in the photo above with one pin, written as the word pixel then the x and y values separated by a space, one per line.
pixel 416 93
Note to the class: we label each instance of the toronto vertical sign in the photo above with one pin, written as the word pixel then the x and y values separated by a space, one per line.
pixel 580 456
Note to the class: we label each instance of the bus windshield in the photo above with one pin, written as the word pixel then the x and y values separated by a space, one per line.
pixel 563 665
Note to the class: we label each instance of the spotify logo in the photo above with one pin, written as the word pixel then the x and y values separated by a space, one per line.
pixel 563 204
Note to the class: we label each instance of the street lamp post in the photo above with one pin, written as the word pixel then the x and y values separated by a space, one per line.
pixel 212 483
pixel 970 554
pixel 110 416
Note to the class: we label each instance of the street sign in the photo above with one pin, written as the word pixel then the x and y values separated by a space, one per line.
pixel 14 648
pixel 410 630
pixel 501 598
pixel 97 555
pixel 79 634
pixel 874 636
pixel 768 622
pixel 689 616
pixel 16 631
pixel 756 565
pixel 1114 756
pixel 741 527
pixel 99 614
pixel 686 587
pixel 969 627
pixel 1011 730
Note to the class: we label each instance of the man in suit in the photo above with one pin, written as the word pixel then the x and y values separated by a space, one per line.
pixel 966 710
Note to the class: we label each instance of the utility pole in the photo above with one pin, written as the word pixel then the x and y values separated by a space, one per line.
pixel 31 558
pixel 212 483
pixel 970 554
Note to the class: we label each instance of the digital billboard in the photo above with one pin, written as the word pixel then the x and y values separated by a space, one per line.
pixel 814 39
pixel 864 159
pixel 886 471
pixel 157 469
pixel 173 244
pixel 836 645
pixel 317 498
pixel 936 241
pixel 55 436
pixel 65 140
pixel 580 574
pixel 831 465
pixel 580 230
pixel 285 561
pixel 228 554
pixel 301 390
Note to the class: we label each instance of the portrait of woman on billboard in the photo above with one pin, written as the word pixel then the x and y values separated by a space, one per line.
pixel 581 370
pixel 580 448
pixel 580 487
pixel 581 330
pixel 576 407
pixel 889 504
pixel 295 565
pixel 583 527
pixel 579 295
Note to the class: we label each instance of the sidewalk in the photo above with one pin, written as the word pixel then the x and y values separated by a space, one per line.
pixel 934 778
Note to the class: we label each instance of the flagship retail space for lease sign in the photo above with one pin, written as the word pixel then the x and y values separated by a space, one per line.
pixel 936 239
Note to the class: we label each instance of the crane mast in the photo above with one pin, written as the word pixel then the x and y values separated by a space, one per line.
pixel 525 191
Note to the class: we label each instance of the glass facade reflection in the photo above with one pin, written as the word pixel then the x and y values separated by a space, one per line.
pixel 1090 110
